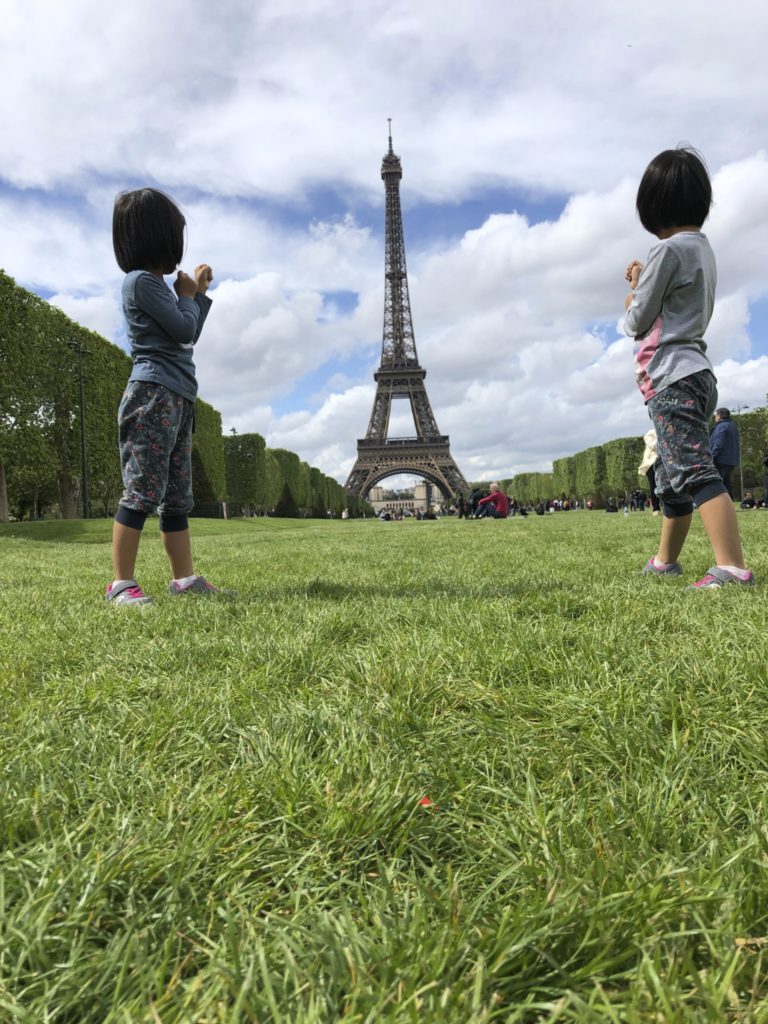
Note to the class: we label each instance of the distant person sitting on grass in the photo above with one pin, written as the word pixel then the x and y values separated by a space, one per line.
pixel 667 312
pixel 748 501
pixel 157 411
pixel 496 503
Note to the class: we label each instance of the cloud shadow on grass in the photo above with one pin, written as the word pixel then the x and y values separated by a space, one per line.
pixel 329 589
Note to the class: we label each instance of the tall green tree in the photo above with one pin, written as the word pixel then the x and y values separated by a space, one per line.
pixel 209 475
pixel 319 496
pixel 247 477
pixel 29 372
pixel 273 480
pixel 622 457
pixel 589 474
pixel 292 473
pixel 564 477
pixel 753 438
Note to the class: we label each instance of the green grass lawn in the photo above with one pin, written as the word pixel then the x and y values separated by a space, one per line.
pixel 210 809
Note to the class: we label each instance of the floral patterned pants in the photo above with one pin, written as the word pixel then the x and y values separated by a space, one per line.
pixel 155 426
pixel 685 473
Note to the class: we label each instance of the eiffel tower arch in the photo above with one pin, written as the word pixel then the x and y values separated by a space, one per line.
pixel 400 376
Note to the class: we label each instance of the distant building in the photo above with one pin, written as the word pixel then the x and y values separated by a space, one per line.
pixel 423 493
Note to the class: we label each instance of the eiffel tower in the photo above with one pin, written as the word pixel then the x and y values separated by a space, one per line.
pixel 399 376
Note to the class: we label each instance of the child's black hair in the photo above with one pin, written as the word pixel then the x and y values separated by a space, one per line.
pixel 147 231
pixel 675 191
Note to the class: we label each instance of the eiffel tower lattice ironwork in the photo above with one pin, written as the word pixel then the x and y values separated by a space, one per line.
pixel 399 376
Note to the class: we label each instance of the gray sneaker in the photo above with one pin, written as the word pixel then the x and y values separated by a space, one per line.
pixel 199 585
pixel 127 592
pixel 673 569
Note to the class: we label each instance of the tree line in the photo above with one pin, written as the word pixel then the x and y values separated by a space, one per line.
pixel 610 469
pixel 40 436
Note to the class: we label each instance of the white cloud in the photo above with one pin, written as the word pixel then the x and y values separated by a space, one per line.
pixel 271 98
pixel 258 340
pixel 744 384
pixel 53 247
pixel 99 313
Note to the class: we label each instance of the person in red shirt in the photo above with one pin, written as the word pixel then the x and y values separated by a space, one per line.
pixel 499 501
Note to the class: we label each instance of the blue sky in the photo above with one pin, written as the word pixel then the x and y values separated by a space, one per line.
pixel 523 130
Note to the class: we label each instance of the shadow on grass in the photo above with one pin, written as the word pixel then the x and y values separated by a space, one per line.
pixel 320 588
pixel 99 531
pixel 60 531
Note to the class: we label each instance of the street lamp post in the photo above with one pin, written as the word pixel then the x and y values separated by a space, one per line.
pixel 77 346
pixel 741 469
pixel 233 432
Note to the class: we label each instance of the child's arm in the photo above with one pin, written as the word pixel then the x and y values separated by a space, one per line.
pixel 653 282
pixel 195 288
pixel 178 318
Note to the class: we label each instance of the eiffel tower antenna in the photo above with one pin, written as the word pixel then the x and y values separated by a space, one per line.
pixel 400 376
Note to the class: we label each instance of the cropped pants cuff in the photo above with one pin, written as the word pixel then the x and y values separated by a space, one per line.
pixel 708 491
pixel 678 510
pixel 173 524
pixel 130 517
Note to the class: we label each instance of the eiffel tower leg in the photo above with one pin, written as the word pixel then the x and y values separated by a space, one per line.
pixel 378 426
pixel 423 417
pixel 356 481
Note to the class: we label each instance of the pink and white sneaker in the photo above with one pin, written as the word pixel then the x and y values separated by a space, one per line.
pixel 127 592
pixel 717 577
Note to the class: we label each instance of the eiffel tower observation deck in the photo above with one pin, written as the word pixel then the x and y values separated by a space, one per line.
pixel 400 376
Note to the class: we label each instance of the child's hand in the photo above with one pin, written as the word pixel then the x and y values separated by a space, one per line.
pixel 203 277
pixel 185 286
pixel 633 273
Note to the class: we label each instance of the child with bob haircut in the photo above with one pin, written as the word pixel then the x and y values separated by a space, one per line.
pixel 667 313
pixel 156 414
